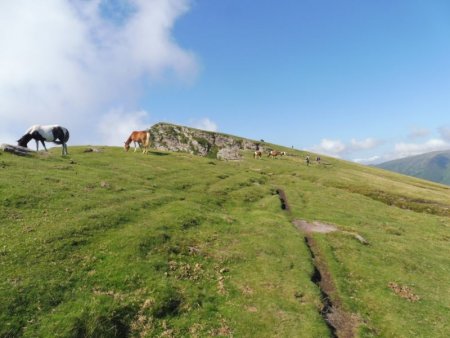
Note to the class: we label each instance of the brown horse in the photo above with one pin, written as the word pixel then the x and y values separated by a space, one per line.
pixel 257 154
pixel 275 153
pixel 142 138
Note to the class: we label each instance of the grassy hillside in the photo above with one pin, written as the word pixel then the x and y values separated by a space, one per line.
pixel 169 244
pixel 433 166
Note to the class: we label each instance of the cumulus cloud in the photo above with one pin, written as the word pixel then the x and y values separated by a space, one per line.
pixel 69 61
pixel 368 143
pixel 116 125
pixel 330 147
pixel 205 124
pixel 411 149
pixel 337 148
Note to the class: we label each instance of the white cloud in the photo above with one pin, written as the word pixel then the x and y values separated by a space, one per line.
pixel 338 148
pixel 205 124
pixel 445 133
pixel 330 147
pixel 411 149
pixel 365 144
pixel 370 160
pixel 116 125
pixel 64 61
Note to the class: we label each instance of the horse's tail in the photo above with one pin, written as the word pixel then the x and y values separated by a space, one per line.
pixel 147 141
pixel 66 135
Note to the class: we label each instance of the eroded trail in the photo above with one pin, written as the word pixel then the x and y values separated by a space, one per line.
pixel 342 324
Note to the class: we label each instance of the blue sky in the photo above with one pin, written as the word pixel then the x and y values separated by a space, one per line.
pixel 359 80
pixel 298 72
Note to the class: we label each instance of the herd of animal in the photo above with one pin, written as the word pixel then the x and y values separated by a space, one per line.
pixel 60 135
pixel 272 153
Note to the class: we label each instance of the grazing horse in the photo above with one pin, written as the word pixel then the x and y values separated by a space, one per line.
pixel 54 133
pixel 257 154
pixel 275 153
pixel 142 138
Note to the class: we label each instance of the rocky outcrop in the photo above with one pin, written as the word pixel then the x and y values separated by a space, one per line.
pixel 170 137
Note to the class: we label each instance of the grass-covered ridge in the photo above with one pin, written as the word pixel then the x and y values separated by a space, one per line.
pixel 171 244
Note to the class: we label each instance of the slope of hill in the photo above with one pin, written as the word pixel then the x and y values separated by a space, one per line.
pixel 115 244
pixel 433 166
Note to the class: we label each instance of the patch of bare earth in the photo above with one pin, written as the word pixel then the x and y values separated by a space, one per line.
pixel 314 227
pixel 403 291
pixel 324 228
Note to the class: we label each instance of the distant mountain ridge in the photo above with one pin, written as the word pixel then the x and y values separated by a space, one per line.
pixel 434 166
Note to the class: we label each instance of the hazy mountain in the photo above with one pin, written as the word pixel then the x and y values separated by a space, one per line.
pixel 434 166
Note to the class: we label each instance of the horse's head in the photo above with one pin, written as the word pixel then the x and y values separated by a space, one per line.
pixel 23 141
pixel 127 146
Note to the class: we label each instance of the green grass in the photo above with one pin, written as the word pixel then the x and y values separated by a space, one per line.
pixel 116 244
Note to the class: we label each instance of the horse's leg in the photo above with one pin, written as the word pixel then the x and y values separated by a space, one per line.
pixel 43 143
pixel 37 145
pixel 135 148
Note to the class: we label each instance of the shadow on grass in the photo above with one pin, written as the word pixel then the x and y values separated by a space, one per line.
pixel 158 153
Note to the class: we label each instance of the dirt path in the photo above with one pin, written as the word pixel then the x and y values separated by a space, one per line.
pixel 342 324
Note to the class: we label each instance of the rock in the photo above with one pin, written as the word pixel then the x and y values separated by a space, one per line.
pixel 361 239
pixel 170 137
pixel 92 150
pixel 16 150
pixel 228 154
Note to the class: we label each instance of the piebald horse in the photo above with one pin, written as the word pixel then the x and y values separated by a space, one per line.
pixel 257 154
pixel 53 133
pixel 142 138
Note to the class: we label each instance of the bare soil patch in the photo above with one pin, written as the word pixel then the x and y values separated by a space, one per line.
pixel 403 291
pixel 314 226
pixel 324 229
